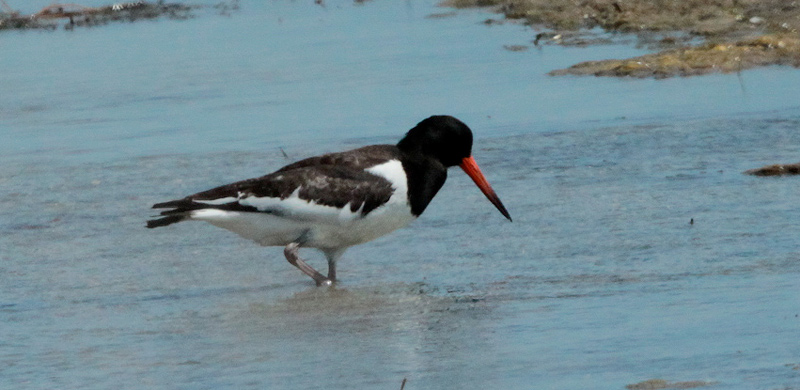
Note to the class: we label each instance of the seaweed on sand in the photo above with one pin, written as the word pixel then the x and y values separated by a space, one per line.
pixel 74 15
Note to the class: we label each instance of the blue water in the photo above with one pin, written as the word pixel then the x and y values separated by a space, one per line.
pixel 600 281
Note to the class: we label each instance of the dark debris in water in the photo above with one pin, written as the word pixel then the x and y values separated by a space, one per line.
pixel 515 47
pixel 441 15
pixel 775 170
pixel 73 15
pixel 657 384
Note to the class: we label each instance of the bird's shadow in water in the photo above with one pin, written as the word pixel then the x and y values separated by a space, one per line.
pixel 366 309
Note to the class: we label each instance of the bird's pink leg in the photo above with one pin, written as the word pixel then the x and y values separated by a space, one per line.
pixel 290 251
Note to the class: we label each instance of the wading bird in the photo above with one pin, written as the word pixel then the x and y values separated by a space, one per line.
pixel 334 201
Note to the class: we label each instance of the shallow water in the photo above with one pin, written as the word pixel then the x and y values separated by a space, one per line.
pixel 601 280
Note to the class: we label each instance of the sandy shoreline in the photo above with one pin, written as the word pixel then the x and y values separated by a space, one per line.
pixel 734 34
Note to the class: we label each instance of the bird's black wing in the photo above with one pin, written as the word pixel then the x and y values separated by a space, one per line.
pixel 335 180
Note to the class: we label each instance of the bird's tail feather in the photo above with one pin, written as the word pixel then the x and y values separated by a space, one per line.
pixel 179 213
pixel 183 208
pixel 168 220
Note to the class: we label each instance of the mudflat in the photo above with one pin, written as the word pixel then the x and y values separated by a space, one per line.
pixel 694 37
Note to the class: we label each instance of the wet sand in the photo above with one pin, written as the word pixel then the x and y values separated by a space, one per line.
pixel 72 15
pixel 732 35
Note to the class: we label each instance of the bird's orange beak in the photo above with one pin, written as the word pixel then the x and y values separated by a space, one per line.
pixel 469 166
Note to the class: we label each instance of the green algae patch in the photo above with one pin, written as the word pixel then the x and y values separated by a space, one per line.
pixel 776 49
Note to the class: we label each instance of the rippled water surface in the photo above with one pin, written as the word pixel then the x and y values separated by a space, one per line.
pixel 638 249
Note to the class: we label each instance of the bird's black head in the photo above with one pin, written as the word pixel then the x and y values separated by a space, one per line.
pixel 442 137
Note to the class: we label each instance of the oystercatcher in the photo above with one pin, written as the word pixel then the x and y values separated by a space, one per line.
pixel 334 201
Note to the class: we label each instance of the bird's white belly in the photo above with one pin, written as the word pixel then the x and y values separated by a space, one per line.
pixel 272 230
pixel 314 225
pixel 377 223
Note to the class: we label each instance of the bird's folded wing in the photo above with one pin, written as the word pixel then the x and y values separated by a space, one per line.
pixel 294 192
